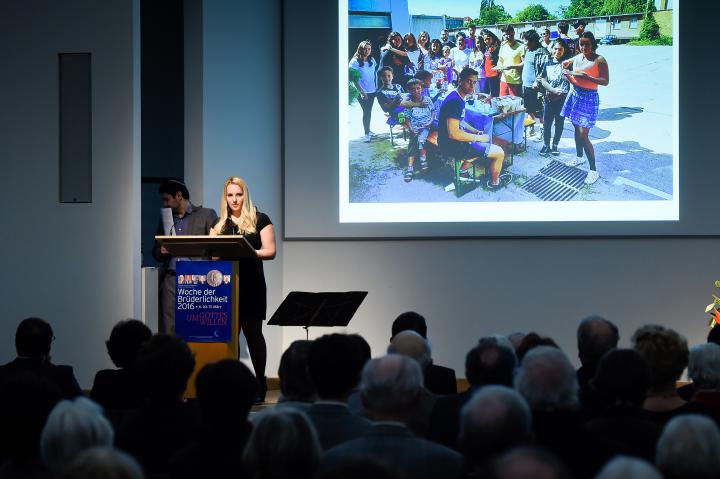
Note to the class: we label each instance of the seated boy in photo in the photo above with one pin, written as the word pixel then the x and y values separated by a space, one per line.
pixel 419 113
pixel 389 94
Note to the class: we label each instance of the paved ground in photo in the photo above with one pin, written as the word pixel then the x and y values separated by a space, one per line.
pixel 633 144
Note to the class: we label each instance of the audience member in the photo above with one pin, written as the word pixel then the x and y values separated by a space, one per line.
pixel 623 467
pixel 33 339
pixel 689 448
pixel 621 382
pixel 335 362
pixel 164 424
pixel 595 337
pixel 414 346
pixel 704 371
pixel 437 379
pixel 688 390
pixel 490 362
pixel 226 391
pixel 296 386
pixel 71 428
pixel 495 420
pixel 103 463
pixel 547 381
pixel 283 445
pixel 409 320
pixel 667 354
pixel 120 389
pixel 354 401
pixel 390 386
pixel 528 463
pixel 25 403
pixel 530 341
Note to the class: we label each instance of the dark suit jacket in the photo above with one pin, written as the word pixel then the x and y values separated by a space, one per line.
pixel 117 389
pixel 199 223
pixel 215 453
pixel 156 432
pixel 562 432
pixel 625 430
pixel 334 423
pixel 440 380
pixel 445 418
pixel 419 418
pixel 394 445
pixel 62 376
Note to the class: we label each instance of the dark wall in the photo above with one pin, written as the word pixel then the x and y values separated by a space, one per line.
pixel 162 104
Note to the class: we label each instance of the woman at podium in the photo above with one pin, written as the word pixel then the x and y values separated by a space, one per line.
pixel 238 216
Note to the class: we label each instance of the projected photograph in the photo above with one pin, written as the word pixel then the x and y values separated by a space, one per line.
pixel 508 110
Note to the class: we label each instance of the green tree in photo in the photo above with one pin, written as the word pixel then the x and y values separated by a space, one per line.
pixel 493 15
pixel 617 7
pixel 649 29
pixel 582 8
pixel 533 13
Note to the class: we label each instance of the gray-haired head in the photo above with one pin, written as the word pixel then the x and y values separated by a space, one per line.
pixel 283 443
pixel 500 339
pixel 71 428
pixel 689 448
pixel 704 366
pixel 595 336
pixel 547 380
pixel 496 419
pixel 105 463
pixel 391 384
pixel 413 345
pixel 622 467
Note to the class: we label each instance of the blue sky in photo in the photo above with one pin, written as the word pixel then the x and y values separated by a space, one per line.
pixel 471 8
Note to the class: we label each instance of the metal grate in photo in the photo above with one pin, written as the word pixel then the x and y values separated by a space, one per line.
pixel 556 182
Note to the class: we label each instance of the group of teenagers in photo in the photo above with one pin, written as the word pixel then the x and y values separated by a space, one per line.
pixel 425 85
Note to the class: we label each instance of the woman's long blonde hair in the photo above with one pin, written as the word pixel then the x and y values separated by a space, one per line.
pixel 248 217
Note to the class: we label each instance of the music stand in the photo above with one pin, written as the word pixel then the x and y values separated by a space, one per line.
pixel 317 309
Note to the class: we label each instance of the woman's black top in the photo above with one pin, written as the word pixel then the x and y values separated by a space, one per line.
pixel 253 291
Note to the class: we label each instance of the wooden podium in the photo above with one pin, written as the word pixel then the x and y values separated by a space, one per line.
pixel 227 248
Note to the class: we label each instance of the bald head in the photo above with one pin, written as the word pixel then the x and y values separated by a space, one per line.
pixel 412 345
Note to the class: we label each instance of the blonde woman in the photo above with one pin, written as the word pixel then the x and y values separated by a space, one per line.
pixel 238 216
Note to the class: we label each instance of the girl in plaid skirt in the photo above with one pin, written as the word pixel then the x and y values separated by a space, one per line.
pixel 582 104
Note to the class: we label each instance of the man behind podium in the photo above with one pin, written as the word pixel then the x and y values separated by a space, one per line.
pixel 188 219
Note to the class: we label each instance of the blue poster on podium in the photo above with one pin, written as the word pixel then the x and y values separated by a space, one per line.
pixel 203 307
